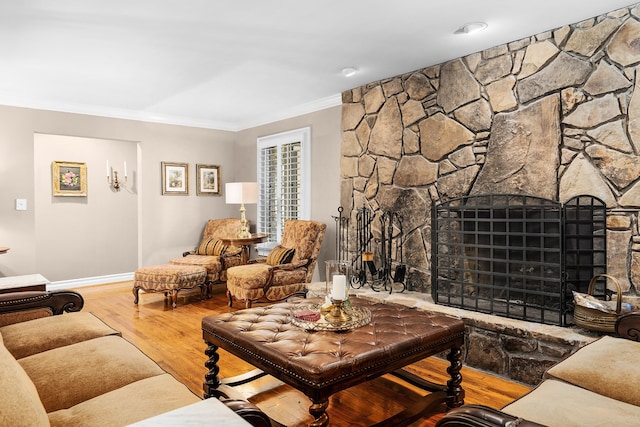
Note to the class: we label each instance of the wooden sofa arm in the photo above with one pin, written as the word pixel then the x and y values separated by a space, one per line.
pixel 58 301
pixel 250 412
pixel 482 416
pixel 628 326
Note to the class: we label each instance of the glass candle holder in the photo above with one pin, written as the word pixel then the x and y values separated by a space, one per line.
pixel 338 279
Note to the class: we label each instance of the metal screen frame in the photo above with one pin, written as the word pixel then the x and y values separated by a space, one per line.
pixel 505 254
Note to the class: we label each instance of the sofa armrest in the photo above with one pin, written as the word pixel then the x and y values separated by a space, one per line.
pixel 628 326
pixel 481 416
pixel 58 301
pixel 250 412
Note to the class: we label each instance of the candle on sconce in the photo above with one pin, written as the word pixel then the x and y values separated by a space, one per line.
pixel 108 174
pixel 339 288
pixel 125 169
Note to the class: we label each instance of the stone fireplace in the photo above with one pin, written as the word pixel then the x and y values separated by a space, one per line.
pixel 554 116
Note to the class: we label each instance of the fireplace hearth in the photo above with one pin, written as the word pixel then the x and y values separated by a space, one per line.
pixel 517 256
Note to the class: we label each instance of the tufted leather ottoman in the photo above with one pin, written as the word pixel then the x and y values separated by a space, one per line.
pixel 170 279
pixel 322 363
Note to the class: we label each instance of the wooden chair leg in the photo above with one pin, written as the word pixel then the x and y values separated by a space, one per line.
pixel 135 295
pixel 230 299
pixel 174 299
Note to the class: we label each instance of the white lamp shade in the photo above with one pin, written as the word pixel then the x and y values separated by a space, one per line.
pixel 241 192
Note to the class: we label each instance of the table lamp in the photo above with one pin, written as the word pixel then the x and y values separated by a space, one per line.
pixel 241 193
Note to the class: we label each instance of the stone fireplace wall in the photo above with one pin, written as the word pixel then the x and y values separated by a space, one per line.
pixel 554 115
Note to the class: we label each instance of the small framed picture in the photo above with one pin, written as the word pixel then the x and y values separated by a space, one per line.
pixel 69 179
pixel 208 180
pixel 175 178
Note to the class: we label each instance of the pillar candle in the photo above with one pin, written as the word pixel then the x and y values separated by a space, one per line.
pixel 339 288
pixel 125 169
pixel 108 174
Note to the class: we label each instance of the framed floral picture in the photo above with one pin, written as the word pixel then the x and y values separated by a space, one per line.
pixel 175 178
pixel 69 179
pixel 208 180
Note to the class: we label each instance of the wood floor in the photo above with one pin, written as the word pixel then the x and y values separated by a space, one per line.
pixel 173 339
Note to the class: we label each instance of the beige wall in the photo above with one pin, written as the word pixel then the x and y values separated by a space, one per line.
pixel 325 168
pixel 68 227
pixel 166 225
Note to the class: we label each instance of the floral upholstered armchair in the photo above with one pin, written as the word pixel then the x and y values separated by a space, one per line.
pixel 211 254
pixel 285 272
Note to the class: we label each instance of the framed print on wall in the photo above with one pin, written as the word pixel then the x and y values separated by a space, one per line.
pixel 175 178
pixel 208 180
pixel 69 179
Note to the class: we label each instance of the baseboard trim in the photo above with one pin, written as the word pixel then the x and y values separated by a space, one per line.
pixel 89 281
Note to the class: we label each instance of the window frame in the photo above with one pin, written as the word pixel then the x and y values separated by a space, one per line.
pixel 303 136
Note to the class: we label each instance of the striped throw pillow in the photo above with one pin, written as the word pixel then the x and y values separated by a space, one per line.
pixel 280 255
pixel 210 246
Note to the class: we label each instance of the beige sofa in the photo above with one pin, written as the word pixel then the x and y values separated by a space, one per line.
pixel 595 386
pixel 73 369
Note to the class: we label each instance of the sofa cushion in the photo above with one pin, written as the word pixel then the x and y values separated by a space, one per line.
pixel 211 246
pixel 604 367
pixel 211 263
pixel 21 405
pixel 35 336
pixel 24 315
pixel 280 255
pixel 556 403
pixel 68 375
pixel 131 403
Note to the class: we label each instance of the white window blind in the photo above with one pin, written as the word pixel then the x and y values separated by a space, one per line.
pixel 283 182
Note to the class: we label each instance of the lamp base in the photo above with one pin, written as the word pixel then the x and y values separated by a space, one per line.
pixel 244 234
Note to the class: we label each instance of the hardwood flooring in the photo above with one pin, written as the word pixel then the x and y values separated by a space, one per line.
pixel 173 339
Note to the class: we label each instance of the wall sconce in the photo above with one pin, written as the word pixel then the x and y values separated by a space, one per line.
pixel 241 193
pixel 112 178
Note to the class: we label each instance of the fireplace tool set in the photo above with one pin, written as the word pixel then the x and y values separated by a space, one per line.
pixel 390 251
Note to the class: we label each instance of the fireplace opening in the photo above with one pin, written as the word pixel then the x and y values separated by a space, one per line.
pixel 517 256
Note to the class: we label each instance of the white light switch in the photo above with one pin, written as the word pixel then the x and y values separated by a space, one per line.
pixel 21 204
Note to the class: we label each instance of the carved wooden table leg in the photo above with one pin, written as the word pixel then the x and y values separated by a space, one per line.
pixel 211 379
pixel 455 392
pixel 318 410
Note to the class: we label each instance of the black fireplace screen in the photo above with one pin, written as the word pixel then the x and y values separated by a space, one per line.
pixel 517 256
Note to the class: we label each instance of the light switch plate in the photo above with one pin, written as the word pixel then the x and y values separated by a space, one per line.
pixel 21 204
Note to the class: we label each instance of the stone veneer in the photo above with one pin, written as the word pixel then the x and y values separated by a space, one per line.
pixel 554 115
pixel 515 349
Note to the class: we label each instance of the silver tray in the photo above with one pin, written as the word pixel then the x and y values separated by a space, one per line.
pixel 360 316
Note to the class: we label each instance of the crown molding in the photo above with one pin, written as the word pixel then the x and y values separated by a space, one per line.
pixel 126 114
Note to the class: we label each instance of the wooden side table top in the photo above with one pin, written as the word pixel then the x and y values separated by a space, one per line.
pixel 238 241
pixel 245 243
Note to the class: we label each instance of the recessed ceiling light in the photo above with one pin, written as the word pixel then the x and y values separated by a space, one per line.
pixel 471 28
pixel 349 71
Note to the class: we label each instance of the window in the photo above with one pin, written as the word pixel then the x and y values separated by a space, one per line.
pixel 283 182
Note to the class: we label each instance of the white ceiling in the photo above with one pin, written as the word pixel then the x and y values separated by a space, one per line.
pixel 233 64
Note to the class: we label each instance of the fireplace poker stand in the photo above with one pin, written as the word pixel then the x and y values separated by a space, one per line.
pixel 391 253
pixel 342 235
pixel 364 260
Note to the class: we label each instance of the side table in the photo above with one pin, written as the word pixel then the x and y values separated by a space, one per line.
pixel 28 282
pixel 245 243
